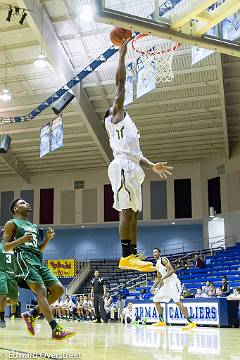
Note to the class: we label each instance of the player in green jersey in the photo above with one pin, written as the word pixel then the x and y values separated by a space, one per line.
pixel 23 237
pixel 8 284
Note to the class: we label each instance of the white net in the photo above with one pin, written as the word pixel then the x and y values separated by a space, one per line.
pixel 157 56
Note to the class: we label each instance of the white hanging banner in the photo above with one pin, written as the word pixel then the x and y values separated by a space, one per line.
pixel 57 133
pixel 199 54
pixel 129 85
pixel 146 79
pixel 44 140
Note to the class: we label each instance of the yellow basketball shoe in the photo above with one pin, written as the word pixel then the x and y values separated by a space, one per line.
pixel 124 261
pixel 159 324
pixel 189 326
pixel 135 262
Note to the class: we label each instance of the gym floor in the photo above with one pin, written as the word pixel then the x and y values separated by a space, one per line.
pixel 118 341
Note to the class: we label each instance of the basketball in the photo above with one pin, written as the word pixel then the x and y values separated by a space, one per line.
pixel 118 35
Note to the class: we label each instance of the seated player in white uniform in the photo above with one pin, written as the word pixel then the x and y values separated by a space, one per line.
pixel 167 287
pixel 68 307
pixel 125 171
pixel 128 315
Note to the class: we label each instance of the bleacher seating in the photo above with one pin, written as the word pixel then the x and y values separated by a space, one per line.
pixel 222 263
pixel 110 271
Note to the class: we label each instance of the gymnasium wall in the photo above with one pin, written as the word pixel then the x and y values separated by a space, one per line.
pixel 99 243
pixel 55 200
pixel 229 173
pixel 84 207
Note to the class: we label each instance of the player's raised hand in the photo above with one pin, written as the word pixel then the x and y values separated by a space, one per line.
pixel 50 234
pixel 123 47
pixel 162 169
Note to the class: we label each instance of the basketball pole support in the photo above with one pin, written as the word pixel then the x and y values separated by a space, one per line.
pixel 207 20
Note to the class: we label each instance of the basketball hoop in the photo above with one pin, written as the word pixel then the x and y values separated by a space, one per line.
pixel 157 55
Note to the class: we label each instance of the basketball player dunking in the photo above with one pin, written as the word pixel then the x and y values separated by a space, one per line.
pixel 125 171
pixel 167 287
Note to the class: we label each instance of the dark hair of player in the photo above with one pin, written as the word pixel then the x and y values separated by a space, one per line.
pixel 13 203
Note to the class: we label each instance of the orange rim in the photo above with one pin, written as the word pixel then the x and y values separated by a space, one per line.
pixel 160 52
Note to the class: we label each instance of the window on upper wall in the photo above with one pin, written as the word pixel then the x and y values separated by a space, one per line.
pixel 214 194
pixel 183 198
pixel 158 195
pixel 46 206
pixel 110 214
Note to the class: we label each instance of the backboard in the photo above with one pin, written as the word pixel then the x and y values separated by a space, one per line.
pixel 213 25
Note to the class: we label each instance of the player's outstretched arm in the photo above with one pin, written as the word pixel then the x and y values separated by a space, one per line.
pixel 120 80
pixel 160 168
pixel 9 243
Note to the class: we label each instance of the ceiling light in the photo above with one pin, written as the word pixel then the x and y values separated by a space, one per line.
pixel 10 12
pixel 24 15
pixel 41 63
pixel 5 95
pixel 86 14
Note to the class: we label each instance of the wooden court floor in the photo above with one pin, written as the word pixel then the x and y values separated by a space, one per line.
pixel 120 342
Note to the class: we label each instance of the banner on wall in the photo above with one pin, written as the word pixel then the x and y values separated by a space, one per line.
pixel 129 85
pixel 57 133
pixel 44 140
pixel 204 313
pixel 62 267
pixel 199 54
pixel 146 79
pixel 149 311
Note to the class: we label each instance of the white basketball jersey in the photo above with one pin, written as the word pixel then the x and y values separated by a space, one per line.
pixel 163 270
pixel 124 138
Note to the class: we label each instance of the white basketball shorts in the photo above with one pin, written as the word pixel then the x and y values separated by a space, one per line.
pixel 126 178
pixel 171 290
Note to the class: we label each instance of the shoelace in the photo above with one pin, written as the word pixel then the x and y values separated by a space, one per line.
pixel 59 329
pixel 140 257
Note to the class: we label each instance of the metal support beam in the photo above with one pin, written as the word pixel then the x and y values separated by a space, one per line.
pixel 149 26
pixel 14 164
pixel 183 17
pixel 226 9
pixel 94 125
pixel 223 106
pixel 59 59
